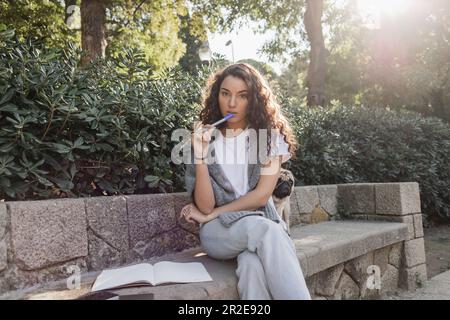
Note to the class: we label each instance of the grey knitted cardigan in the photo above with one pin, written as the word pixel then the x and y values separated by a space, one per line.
pixel 224 191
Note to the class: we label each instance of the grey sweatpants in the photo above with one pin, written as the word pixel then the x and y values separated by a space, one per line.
pixel 268 267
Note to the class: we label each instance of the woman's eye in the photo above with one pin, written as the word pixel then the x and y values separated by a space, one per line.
pixel 244 96
pixel 224 93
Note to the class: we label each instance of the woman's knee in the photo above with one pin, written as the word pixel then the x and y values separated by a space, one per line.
pixel 210 230
pixel 215 249
pixel 213 241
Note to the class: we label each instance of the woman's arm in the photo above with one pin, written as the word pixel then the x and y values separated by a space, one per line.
pixel 203 192
pixel 257 197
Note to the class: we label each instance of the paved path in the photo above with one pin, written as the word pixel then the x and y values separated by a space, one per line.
pixel 437 288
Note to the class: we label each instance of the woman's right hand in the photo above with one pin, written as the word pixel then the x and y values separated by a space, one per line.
pixel 191 214
pixel 200 140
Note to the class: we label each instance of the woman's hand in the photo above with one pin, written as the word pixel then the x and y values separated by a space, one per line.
pixel 192 214
pixel 201 138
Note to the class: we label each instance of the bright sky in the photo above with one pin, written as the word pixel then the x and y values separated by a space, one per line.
pixel 371 10
pixel 246 45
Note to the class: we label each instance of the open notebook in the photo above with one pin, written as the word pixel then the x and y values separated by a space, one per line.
pixel 147 274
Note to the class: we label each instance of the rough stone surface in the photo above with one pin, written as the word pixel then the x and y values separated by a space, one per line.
pixel 107 218
pixel 102 255
pixel 357 197
pixel 311 284
pixel 418 225
pixel 223 287
pixel 412 278
pixel 305 218
pixel 397 198
pixel 294 219
pixel 293 202
pixel 303 259
pixel 319 215
pixel 437 288
pixel 149 215
pixel 320 241
pixel 408 219
pixel 346 289
pixel 395 255
pixel 330 243
pixel 180 199
pixel 3 256
pixel 381 258
pixel 414 253
pixel 357 269
pixel 307 198
pixel 322 249
pixel 389 280
pixel 169 242
pixel 14 278
pixel 48 232
pixel 3 220
pixel 328 198
pixel 327 279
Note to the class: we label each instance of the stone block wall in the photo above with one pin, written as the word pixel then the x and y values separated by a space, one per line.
pixel 40 239
pixel 313 204
pixel 395 202
pixel 350 280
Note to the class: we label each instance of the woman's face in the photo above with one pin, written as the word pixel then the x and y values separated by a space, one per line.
pixel 233 98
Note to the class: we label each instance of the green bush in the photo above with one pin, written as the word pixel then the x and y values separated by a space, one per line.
pixel 353 145
pixel 105 129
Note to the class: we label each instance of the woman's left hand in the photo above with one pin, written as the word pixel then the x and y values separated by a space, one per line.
pixel 191 213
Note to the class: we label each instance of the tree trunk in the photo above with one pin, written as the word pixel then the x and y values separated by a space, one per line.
pixel 318 53
pixel 93 29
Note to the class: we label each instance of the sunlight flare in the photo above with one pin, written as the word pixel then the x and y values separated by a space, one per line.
pixel 391 7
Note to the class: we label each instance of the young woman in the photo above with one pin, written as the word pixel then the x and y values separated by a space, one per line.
pixel 231 198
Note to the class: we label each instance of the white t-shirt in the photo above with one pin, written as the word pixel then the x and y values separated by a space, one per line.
pixel 236 170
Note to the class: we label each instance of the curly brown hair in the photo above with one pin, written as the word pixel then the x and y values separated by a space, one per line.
pixel 263 112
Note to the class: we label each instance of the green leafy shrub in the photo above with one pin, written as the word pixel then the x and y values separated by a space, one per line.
pixel 352 145
pixel 106 129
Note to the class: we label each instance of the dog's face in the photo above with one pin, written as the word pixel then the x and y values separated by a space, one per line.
pixel 285 184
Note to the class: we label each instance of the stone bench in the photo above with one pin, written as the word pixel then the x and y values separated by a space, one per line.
pixel 360 225
pixel 332 254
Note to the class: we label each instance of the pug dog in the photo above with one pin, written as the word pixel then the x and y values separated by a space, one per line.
pixel 282 194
